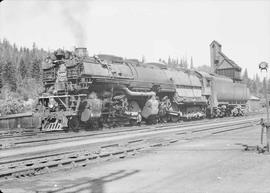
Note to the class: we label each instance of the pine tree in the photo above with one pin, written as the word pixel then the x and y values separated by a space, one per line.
pixel 245 77
pixel 169 61
pixel 143 59
pixel 184 63
pixel 204 68
pixel 268 86
pixel 22 69
pixel 254 88
pixel 191 63
pixel 36 69
pixel 9 75
pixel 1 77
pixel 259 85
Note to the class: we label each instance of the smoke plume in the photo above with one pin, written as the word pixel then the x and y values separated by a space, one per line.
pixel 74 14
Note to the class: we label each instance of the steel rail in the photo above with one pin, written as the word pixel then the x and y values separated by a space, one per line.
pixel 12 142
pixel 32 132
pixel 103 138
pixel 106 150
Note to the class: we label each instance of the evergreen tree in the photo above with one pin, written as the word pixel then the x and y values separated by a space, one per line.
pixel 9 75
pixel 143 59
pixel 22 69
pixel 268 86
pixel 191 63
pixel 245 77
pixel 259 85
pixel 36 69
pixel 254 88
pixel 169 61
pixel 204 68
pixel 1 77
pixel 19 63
pixel 183 63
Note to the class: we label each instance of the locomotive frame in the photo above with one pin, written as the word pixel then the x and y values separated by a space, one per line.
pixel 157 93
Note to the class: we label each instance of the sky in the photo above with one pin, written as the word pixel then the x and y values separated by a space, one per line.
pixel 151 28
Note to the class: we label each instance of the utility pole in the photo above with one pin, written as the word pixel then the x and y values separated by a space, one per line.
pixel 264 66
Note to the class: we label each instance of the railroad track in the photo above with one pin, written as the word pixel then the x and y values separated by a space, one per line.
pixel 33 132
pixel 56 137
pixel 34 161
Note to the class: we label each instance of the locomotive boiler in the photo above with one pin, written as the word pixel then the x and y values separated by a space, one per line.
pixel 105 90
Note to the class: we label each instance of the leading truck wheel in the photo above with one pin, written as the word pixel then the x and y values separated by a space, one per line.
pixel 74 124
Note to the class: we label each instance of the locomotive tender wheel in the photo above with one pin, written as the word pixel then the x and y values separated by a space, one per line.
pixel 100 124
pixel 133 122
pixel 174 119
pixel 88 126
pixel 95 125
pixel 164 119
pixel 92 125
pixel 152 120
pixel 74 123
pixel 155 120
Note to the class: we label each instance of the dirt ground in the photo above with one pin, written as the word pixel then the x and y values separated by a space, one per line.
pixel 207 165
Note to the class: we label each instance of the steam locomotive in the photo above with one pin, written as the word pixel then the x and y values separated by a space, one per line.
pixel 109 91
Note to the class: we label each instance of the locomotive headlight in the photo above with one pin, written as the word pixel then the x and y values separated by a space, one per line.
pixel 263 66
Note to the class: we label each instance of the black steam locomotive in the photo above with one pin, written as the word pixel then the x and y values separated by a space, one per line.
pixel 108 91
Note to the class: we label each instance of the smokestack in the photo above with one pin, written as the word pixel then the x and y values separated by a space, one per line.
pixel 81 52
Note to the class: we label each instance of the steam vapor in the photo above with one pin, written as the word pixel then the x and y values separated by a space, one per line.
pixel 75 24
